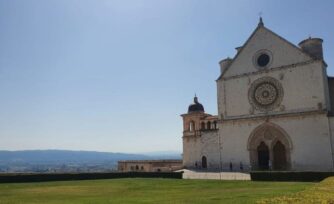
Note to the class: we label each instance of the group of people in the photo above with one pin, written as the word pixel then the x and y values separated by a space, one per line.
pixel 241 166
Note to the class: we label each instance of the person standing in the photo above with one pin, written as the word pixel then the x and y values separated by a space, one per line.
pixel 269 164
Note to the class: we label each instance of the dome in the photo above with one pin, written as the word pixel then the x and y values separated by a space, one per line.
pixel 196 106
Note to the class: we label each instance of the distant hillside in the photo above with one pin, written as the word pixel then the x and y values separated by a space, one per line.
pixel 66 156
pixel 69 161
pixel 63 156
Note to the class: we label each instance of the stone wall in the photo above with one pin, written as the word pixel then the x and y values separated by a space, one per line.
pixel 194 148
pixel 149 165
pixel 309 135
pixel 286 100
pixel 283 52
pixel 303 91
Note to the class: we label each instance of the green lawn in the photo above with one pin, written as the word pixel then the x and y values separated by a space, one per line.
pixel 146 191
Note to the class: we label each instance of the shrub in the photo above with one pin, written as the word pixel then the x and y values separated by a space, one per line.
pixel 19 178
pixel 289 176
pixel 322 192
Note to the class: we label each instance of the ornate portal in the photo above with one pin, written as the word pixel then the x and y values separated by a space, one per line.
pixel 265 93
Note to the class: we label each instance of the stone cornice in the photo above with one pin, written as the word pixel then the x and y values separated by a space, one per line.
pixel 274 115
pixel 271 69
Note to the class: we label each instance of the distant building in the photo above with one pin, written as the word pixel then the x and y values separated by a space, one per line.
pixel 149 165
pixel 275 110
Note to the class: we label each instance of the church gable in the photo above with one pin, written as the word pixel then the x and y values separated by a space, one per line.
pixel 264 50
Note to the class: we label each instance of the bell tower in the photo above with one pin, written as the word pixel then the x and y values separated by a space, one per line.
pixel 191 120
pixel 196 123
pixel 191 133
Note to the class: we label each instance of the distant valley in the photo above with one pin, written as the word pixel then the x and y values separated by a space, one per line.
pixel 51 161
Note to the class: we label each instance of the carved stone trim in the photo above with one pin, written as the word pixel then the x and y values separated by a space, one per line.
pixel 265 94
pixel 273 69
pixel 271 116
pixel 258 54
pixel 269 134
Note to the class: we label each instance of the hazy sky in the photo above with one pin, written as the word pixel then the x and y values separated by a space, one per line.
pixel 115 75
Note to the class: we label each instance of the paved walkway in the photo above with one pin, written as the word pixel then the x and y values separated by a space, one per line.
pixel 190 174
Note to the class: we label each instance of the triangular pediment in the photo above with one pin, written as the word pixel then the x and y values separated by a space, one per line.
pixel 263 40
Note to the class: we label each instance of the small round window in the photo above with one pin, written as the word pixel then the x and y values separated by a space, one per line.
pixel 262 59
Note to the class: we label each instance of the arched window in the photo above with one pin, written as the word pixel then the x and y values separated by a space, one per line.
pixel 204 162
pixel 137 167
pixel 208 125
pixel 191 126
pixel 203 126
pixel 142 168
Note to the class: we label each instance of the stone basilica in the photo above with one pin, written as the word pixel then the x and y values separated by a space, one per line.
pixel 275 110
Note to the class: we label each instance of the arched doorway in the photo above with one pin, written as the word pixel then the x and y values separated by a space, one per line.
pixel 279 153
pixel 269 146
pixel 204 162
pixel 263 156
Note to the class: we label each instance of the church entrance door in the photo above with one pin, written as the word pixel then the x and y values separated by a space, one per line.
pixel 204 162
pixel 280 162
pixel 263 156
pixel 269 147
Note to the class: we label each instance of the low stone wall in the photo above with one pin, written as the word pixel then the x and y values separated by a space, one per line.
pixel 188 174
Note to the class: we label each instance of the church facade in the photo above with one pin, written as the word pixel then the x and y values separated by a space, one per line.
pixel 275 110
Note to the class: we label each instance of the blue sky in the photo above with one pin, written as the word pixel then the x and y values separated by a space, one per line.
pixel 115 75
